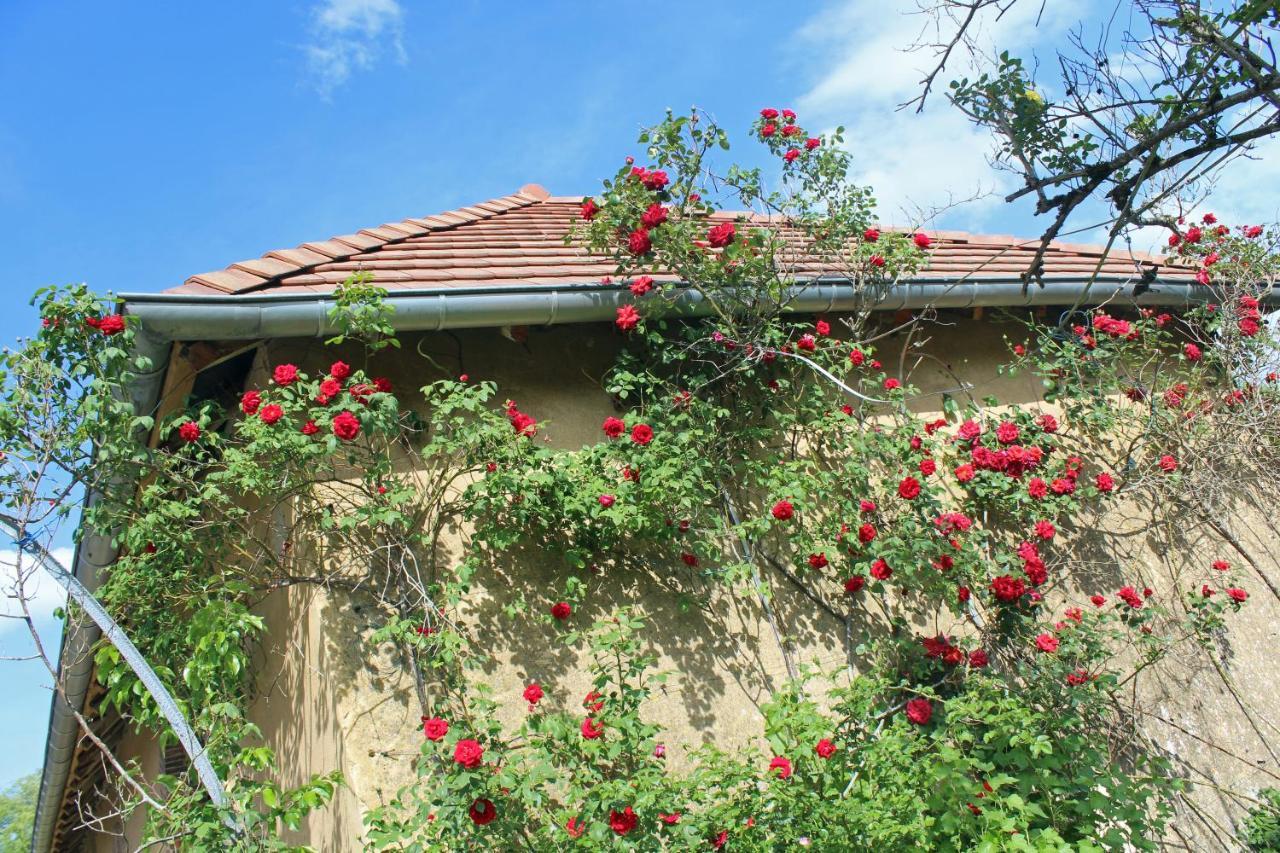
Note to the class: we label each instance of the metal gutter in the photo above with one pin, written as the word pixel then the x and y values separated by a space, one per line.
pixel 216 317
pixel 168 317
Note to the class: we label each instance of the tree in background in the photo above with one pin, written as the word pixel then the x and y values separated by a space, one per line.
pixel 17 813
pixel 1138 111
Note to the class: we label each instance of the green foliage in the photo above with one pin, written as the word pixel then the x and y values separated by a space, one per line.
pixel 361 313
pixel 18 813
pixel 1262 830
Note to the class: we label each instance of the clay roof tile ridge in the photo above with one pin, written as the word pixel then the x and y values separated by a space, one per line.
pixel 285 263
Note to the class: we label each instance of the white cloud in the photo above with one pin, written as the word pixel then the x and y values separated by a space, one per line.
pixel 912 160
pixel 42 592
pixel 1245 192
pixel 350 36
pixel 918 161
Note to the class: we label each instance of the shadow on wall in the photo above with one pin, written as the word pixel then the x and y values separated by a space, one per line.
pixel 328 701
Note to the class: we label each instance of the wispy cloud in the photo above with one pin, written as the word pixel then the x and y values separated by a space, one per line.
pixel 43 594
pixel 921 161
pixel 913 161
pixel 349 36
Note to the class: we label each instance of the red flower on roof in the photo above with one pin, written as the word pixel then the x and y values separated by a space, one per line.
pixel 721 235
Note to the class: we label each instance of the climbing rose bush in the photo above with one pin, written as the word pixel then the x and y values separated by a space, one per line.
pixel 752 450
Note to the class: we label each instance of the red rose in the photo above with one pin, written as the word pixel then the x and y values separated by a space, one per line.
pixel 270 414
pixel 880 570
pixel 574 827
pixel 891 383
pixel 110 325
pixel 468 753
pixel 189 432
pixel 963 593
pixel 792 130
pixel 642 434
pixel 613 427
pixel 622 822
pixel 854 584
pixel 532 694
pixel 721 235
pixel 1006 588
pixel 561 610
pixel 867 533
pixel 669 819
pixel 783 510
pixel 638 242
pixel 783 765
pixel 310 428
pixel 382 384
pixel 1237 594
pixel 768 130
pixel 807 343
pixel 654 216
pixel 641 285
pixel 627 318
pixel 591 729
pixel 1045 529
pixel 1097 600
pixel 655 180
pixel 434 728
pixel 919 711
pixel 791 155
pixel 346 426
pixel 817 561
pixel 250 401
pixel 1221 565
pixel 329 389
pixel 285 374
pixel 909 488
pixel 589 209
pixel 964 473
pixel 812 143
pixel 606 501
pixel 482 812
pixel 825 748
pixel 1168 464
pixel 340 370
pixel 769 113
pixel 922 240
pixel 978 659
pixel 1047 643
pixel 1007 432
pixel 690 560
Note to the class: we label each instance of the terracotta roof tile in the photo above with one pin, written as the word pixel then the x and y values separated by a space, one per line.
pixel 519 240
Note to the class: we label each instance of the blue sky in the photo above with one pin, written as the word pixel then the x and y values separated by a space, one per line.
pixel 143 142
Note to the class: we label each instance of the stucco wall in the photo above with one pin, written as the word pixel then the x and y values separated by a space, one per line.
pixel 327 701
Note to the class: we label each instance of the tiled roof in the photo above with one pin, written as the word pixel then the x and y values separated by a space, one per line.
pixel 520 240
